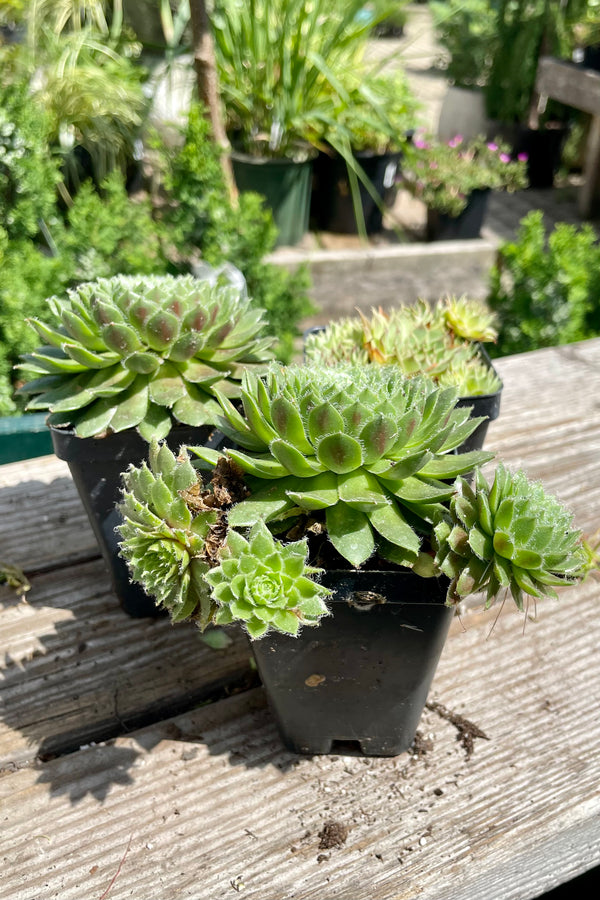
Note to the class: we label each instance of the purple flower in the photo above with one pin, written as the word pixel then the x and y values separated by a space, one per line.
pixel 504 157
pixel 492 146
pixel 522 157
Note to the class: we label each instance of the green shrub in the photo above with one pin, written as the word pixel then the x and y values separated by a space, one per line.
pixel 28 277
pixel 108 233
pixel 28 175
pixel 202 221
pixel 546 292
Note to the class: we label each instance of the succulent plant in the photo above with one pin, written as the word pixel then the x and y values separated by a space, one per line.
pixel 266 584
pixel 469 319
pixel 440 342
pixel 144 352
pixel 351 456
pixel 178 547
pixel 163 542
pixel 364 446
pixel 513 535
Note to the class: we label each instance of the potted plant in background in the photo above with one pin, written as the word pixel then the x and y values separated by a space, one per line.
pixel 132 358
pixel 466 29
pixel 454 179
pixel 526 30
pixel 339 510
pixel 355 174
pixel 442 341
pixel 281 64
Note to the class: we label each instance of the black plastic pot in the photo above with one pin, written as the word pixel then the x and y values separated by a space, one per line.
pixel 466 226
pixel 484 405
pixel 285 185
pixel 543 148
pixel 364 673
pixel 96 465
pixel 332 205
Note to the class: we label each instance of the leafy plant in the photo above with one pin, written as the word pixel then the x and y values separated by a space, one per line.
pixel 443 175
pixel 202 221
pixel 467 30
pixel 546 291
pixel 109 233
pixel 28 276
pixel 281 65
pixel 81 71
pixel 524 29
pixel 352 466
pixel 438 341
pixel 375 114
pixel 143 352
pixel 28 177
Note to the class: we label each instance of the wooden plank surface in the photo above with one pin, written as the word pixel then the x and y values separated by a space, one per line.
pixel 75 668
pixel 211 797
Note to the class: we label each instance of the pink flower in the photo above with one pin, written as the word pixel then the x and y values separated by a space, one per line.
pixel 504 157
pixel 522 157
pixel 433 165
pixel 492 146
pixel 455 141
pixel 421 144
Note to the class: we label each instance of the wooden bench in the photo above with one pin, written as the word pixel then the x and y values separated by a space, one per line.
pixel 137 762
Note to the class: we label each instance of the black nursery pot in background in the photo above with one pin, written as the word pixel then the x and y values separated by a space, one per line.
pixel 96 465
pixel 332 205
pixel 364 673
pixel 466 226
pixel 543 148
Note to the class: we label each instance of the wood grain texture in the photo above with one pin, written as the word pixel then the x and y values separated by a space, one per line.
pixel 75 668
pixel 210 800
pixel 211 795
pixel 38 499
pixel 569 84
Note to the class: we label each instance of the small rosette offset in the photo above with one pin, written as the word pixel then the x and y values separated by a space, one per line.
pixel 513 535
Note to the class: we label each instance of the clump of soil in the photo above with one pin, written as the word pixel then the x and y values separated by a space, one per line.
pixel 333 834
pixel 467 730
pixel 421 745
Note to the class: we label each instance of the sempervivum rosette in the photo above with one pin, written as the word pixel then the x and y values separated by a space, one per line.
pixel 513 535
pixel 266 584
pixel 143 352
pixel 163 542
pixel 363 448
pixel 177 545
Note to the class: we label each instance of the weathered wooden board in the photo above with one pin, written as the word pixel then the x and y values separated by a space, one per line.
pixel 75 668
pixel 39 502
pixel 209 803
pixel 198 802
pixel 569 84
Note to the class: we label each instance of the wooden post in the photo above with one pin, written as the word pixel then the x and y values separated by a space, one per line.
pixel 208 87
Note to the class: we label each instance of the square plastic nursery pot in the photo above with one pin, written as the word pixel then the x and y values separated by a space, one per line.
pixel 96 465
pixel 364 673
pixel 332 202
pixel 466 226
